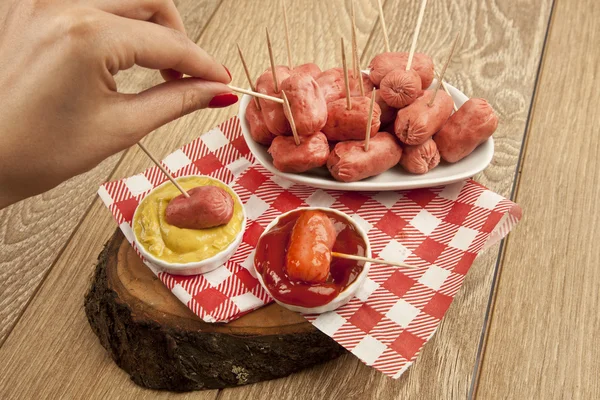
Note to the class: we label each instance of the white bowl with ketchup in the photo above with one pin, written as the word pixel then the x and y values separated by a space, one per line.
pixel 184 250
pixel 343 278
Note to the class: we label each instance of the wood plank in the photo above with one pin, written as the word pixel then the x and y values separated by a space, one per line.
pixel 46 222
pixel 542 342
pixel 497 58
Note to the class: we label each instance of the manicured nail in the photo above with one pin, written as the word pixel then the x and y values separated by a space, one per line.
pixel 223 100
pixel 227 69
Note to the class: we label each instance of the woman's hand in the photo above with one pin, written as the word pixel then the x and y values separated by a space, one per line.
pixel 60 111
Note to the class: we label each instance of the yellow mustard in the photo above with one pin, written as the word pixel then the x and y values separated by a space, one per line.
pixel 175 245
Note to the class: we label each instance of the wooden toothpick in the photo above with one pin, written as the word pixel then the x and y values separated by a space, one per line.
pixel 371 260
pixel 441 77
pixel 413 46
pixel 383 28
pixel 272 59
pixel 346 81
pixel 255 94
pixel 369 120
pixel 355 57
pixel 354 45
pixel 446 90
pixel 287 35
pixel 247 71
pixel 286 104
pixel 163 169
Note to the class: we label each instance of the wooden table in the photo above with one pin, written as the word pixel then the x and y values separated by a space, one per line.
pixel 524 324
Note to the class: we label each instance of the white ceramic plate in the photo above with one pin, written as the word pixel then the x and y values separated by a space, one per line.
pixel 393 179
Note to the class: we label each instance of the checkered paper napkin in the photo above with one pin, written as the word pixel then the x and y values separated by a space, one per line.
pixel 439 230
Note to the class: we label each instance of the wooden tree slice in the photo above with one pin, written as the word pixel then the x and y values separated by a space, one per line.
pixel 163 345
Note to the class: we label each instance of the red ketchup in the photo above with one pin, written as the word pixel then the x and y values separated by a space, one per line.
pixel 270 263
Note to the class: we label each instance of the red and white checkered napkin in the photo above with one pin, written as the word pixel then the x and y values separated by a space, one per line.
pixel 439 230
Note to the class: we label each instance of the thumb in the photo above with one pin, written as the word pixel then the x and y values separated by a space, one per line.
pixel 140 114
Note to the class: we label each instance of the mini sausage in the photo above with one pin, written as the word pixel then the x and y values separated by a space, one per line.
pixel 349 162
pixel 418 122
pixel 421 158
pixel 272 112
pixel 311 153
pixel 258 129
pixel 309 68
pixel 466 129
pixel 207 207
pixel 401 88
pixel 384 63
pixel 344 124
pixel 307 103
pixel 388 114
pixel 333 86
pixel 309 253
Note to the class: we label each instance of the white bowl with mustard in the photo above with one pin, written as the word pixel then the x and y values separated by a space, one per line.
pixel 183 250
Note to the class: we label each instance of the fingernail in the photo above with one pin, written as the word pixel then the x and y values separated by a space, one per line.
pixel 223 100
pixel 227 69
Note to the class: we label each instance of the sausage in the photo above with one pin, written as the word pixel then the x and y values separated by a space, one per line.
pixel 307 103
pixel 332 84
pixel 418 122
pixel 309 68
pixel 258 129
pixel 401 88
pixel 466 129
pixel 207 207
pixel 311 153
pixel 344 124
pixel 309 252
pixel 349 162
pixel 388 114
pixel 384 63
pixel 421 158
pixel 272 112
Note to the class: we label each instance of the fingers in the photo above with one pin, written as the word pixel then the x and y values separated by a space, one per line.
pixel 140 114
pixel 162 12
pixel 157 47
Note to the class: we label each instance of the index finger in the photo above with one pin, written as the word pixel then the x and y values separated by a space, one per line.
pixel 154 46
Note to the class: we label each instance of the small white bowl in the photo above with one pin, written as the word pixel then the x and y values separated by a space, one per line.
pixel 198 267
pixel 344 296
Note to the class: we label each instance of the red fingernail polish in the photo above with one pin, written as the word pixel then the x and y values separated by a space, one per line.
pixel 223 100
pixel 227 69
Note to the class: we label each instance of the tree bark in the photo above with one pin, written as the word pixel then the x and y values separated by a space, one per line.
pixel 161 344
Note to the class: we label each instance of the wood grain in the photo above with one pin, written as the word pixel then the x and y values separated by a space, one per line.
pixel 33 232
pixel 497 58
pixel 52 350
pixel 542 341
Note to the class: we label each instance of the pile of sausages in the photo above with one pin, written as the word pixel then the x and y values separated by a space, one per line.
pixel 411 125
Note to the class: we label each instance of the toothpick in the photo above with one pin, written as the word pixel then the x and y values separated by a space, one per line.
pixel 255 94
pixel 355 57
pixel 371 260
pixel 441 77
pixel 446 90
pixel 247 71
pixel 355 70
pixel 369 120
pixel 287 35
pixel 286 104
pixel 346 81
pixel 272 59
pixel 383 28
pixel 163 169
pixel 413 46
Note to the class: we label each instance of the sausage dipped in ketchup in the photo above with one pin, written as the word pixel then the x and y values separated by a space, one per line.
pixel 289 252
